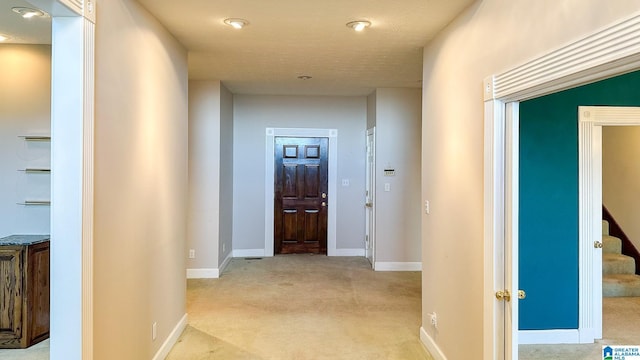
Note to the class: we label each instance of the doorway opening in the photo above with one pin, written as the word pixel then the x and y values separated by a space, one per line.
pixel 331 136
pixel 564 68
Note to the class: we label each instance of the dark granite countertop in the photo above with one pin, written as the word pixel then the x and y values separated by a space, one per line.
pixel 21 240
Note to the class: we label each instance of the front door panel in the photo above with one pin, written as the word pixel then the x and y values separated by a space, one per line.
pixel 301 196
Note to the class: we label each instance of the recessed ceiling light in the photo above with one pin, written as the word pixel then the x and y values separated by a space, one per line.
pixel 4 37
pixel 359 25
pixel 304 77
pixel 29 13
pixel 236 23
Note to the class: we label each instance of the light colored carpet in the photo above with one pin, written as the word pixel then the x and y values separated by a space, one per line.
pixel 39 351
pixel 313 307
pixel 303 307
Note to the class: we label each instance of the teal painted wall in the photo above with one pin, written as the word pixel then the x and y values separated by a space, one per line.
pixel 549 198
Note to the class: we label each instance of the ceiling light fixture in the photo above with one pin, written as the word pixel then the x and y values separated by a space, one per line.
pixel 359 25
pixel 29 13
pixel 236 23
pixel 4 37
pixel 304 77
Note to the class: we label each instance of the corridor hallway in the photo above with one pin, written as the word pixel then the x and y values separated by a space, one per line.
pixel 303 307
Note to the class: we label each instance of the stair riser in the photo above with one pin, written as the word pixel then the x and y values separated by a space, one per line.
pixel 616 291
pixel 621 286
pixel 611 245
pixel 619 267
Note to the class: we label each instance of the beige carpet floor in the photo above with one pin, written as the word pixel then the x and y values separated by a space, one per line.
pixel 39 351
pixel 315 307
pixel 303 307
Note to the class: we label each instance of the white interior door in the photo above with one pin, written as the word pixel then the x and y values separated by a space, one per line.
pixel 370 197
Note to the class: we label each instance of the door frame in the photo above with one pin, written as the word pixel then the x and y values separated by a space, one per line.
pixel 591 121
pixel 611 51
pixel 271 134
pixel 72 191
pixel 370 217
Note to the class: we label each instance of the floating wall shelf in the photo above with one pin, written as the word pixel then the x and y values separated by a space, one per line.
pixel 36 171
pixel 36 137
pixel 36 203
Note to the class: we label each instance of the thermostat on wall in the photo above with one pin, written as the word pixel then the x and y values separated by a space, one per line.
pixel 389 172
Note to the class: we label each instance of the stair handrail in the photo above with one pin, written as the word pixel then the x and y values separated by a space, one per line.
pixel 615 230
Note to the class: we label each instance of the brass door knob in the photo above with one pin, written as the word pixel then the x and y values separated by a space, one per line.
pixel 521 294
pixel 503 295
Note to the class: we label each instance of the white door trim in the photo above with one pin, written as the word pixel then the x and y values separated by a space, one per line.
pixel 271 133
pixel 72 191
pixel 608 52
pixel 370 231
pixel 591 121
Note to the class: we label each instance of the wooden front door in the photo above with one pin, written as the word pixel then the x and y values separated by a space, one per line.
pixel 301 195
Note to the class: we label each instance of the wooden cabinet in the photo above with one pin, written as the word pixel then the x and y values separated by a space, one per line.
pixel 24 290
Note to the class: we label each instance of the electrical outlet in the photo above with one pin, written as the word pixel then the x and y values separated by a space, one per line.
pixel 434 319
pixel 154 331
pixel 224 247
pixel 192 254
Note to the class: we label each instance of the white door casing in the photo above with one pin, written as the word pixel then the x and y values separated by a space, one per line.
pixel 512 130
pixel 608 52
pixel 271 133
pixel 370 238
pixel 72 119
pixel 591 121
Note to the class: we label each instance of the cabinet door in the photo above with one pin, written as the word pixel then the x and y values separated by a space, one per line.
pixel 37 293
pixel 10 296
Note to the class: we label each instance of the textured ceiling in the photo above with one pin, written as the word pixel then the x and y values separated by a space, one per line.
pixel 289 38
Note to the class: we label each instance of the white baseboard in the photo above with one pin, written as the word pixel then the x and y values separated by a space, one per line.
pixel 397 266
pixel 431 345
pixel 226 262
pixel 211 273
pixel 556 336
pixel 349 252
pixel 203 273
pixel 171 340
pixel 241 253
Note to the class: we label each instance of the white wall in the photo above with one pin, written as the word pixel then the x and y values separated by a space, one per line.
pixel 225 246
pixel 489 37
pixel 252 115
pixel 141 165
pixel 398 123
pixel 204 173
pixel 210 176
pixel 621 177
pixel 25 109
